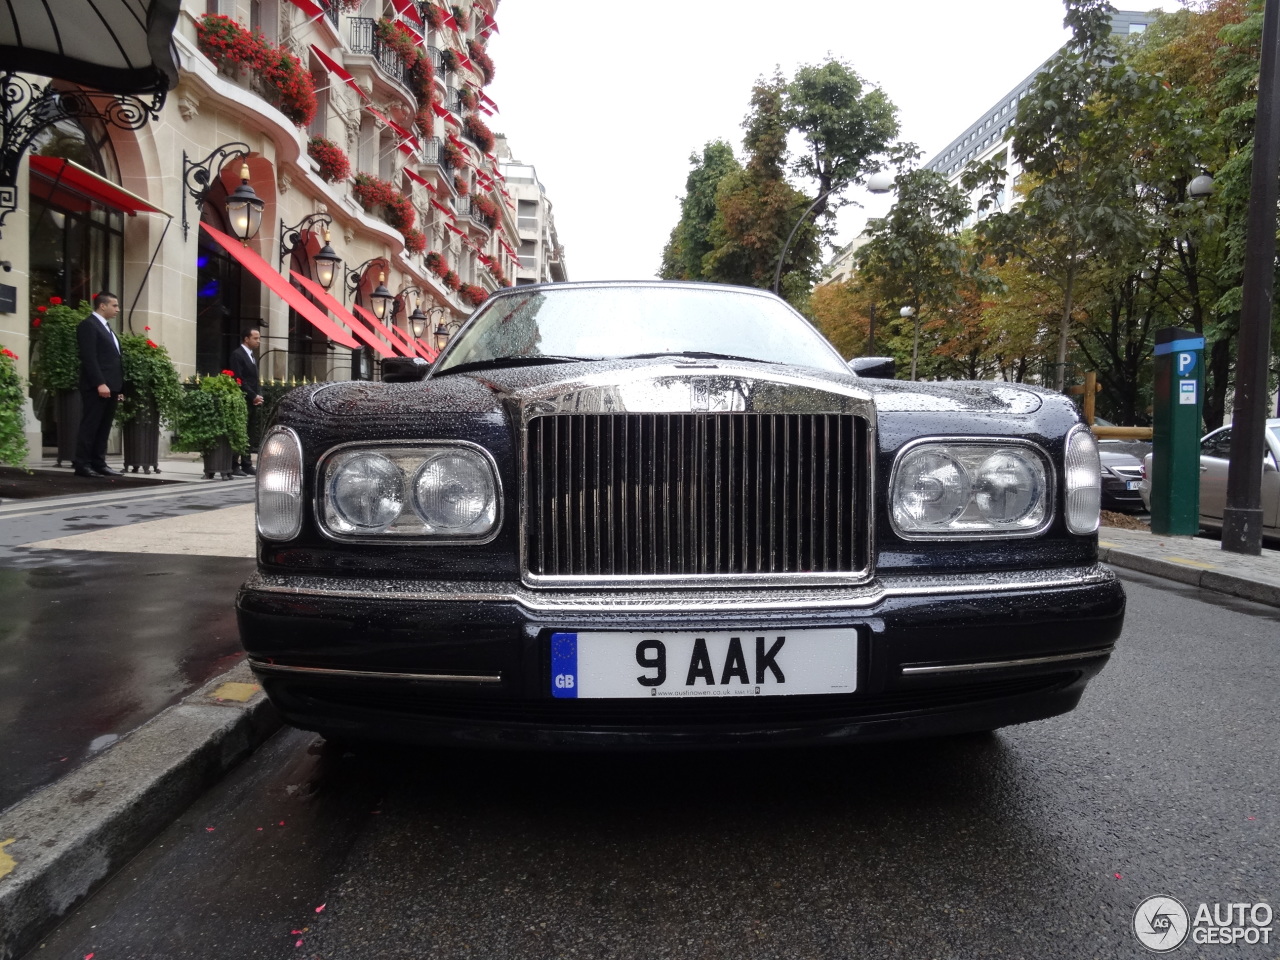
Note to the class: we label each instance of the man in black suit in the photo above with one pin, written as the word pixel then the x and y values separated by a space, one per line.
pixel 101 383
pixel 245 366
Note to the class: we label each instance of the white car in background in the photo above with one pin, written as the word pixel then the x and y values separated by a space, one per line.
pixel 1215 451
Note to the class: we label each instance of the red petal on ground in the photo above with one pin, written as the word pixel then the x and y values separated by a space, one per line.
pixel 1118 877
pixel 320 908
pixel 210 829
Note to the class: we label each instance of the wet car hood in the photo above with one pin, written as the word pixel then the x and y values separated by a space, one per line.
pixel 661 385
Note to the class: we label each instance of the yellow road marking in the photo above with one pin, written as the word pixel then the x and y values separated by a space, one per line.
pixel 1193 563
pixel 7 863
pixel 1107 543
pixel 236 691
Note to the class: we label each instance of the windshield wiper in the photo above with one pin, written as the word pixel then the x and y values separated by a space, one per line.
pixel 512 362
pixel 694 355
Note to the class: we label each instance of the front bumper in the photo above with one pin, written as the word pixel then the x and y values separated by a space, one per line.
pixel 469 663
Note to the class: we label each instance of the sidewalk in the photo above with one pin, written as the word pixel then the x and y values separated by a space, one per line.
pixel 1194 560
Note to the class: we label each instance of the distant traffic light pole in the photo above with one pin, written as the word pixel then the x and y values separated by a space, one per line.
pixel 1242 515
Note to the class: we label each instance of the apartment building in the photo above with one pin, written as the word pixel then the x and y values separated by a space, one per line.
pixel 361 126
pixel 984 140
pixel 541 255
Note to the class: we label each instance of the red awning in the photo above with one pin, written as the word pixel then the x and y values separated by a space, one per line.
pixel 491 23
pixel 485 97
pixel 407 8
pixel 339 311
pixel 442 208
pixel 392 335
pixel 309 7
pixel 338 70
pixel 76 186
pixel 419 178
pixel 281 287
pixel 418 38
pixel 455 229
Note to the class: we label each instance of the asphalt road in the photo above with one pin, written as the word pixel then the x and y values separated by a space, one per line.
pixel 1038 841
pixel 93 644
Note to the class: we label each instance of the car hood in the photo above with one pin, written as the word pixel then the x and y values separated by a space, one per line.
pixel 667 386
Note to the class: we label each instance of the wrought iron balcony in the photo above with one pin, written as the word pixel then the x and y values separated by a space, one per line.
pixel 330 8
pixel 365 40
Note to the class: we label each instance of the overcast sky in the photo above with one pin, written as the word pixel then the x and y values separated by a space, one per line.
pixel 608 99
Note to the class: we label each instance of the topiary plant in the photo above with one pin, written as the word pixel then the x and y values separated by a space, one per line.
pixel 13 437
pixel 56 364
pixel 214 410
pixel 150 379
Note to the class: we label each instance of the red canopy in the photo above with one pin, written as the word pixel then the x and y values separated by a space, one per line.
pixel 66 179
pixel 309 7
pixel 338 70
pixel 395 336
pixel 339 311
pixel 280 286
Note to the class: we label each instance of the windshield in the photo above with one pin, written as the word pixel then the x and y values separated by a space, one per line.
pixel 612 322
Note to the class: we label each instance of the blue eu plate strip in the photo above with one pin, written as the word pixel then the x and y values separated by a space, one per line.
pixel 564 666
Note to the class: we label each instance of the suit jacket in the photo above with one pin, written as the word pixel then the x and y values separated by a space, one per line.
pixel 247 371
pixel 99 356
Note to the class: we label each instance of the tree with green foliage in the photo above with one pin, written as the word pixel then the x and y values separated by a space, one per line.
pixel 756 208
pixel 846 124
pixel 1072 140
pixel 13 402
pixel 683 255
pixel 914 256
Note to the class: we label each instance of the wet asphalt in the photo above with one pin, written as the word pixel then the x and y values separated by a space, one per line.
pixel 94 644
pixel 1038 841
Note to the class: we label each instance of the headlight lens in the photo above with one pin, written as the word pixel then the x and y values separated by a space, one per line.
pixel 1083 481
pixel 970 489
pixel 367 493
pixel 930 490
pixel 279 486
pixel 445 491
pixel 453 492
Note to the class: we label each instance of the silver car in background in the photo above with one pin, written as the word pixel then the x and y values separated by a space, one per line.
pixel 1215 451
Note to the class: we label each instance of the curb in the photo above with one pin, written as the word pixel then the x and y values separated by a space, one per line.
pixel 58 846
pixel 1193 575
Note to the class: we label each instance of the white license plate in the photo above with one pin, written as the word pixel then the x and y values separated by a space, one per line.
pixel 1133 485
pixel 745 663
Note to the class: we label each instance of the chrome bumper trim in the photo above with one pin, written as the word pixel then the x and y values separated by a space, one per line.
pixel 1004 664
pixel 729 600
pixel 261 666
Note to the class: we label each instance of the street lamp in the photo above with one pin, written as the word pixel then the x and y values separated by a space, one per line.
pixel 421 322
pixel 1201 186
pixel 381 297
pixel 326 261
pixel 909 313
pixel 444 331
pixel 244 207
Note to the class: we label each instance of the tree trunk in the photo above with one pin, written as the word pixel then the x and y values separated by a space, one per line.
pixel 1064 332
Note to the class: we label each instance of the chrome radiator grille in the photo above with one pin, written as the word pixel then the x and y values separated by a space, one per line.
pixel 695 495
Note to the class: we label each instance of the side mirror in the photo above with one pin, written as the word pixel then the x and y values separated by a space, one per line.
pixel 880 368
pixel 404 369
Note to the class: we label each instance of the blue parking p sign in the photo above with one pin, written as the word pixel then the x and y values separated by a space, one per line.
pixel 1185 363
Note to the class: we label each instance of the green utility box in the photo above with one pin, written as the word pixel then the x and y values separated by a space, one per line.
pixel 1179 397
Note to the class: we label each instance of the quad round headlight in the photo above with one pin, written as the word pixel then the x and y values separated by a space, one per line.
pixel 929 490
pixel 453 493
pixel 1007 487
pixel 970 489
pixel 446 491
pixel 366 491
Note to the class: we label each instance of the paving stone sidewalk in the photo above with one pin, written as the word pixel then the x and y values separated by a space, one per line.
pixel 1194 560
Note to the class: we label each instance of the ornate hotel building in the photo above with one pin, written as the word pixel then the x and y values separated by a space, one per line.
pixel 290 92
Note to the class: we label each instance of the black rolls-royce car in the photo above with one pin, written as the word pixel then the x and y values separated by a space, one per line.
pixel 661 514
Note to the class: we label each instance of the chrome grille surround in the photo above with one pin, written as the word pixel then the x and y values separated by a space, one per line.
pixel 637 492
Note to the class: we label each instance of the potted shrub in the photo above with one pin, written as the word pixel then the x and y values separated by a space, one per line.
pixel 13 436
pixel 334 165
pixel 383 200
pixel 480 57
pixel 281 77
pixel 473 294
pixel 211 419
pixel 152 394
pixel 56 367
pixel 415 241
